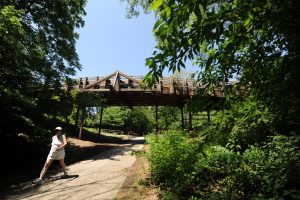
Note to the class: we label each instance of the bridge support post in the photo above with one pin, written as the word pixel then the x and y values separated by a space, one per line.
pixel 76 117
pixel 208 116
pixel 81 122
pixel 100 124
pixel 190 121
pixel 80 131
pixel 182 118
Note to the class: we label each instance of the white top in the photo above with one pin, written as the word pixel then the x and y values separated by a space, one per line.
pixel 54 154
pixel 57 141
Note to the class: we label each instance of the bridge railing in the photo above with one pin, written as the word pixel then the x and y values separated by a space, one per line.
pixel 166 85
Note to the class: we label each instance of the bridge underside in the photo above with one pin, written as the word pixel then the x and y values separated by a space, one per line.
pixel 142 99
pixel 131 99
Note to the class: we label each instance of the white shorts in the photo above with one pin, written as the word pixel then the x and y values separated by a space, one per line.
pixel 56 155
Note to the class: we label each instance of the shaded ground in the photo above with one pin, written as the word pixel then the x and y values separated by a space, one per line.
pixel 25 163
pixel 97 177
pixel 135 186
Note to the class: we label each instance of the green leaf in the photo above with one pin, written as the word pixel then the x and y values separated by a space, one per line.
pixel 247 22
pixel 167 11
pixel 156 4
pixel 157 24
pixel 55 98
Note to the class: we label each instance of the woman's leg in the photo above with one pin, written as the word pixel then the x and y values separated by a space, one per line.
pixel 45 168
pixel 63 166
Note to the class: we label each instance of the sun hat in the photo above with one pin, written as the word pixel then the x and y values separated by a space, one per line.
pixel 58 128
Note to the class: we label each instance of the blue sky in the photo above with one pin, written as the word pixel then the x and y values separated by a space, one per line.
pixel 109 41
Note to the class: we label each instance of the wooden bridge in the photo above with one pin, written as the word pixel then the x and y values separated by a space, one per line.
pixel 120 89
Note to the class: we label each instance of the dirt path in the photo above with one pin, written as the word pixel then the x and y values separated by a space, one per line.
pixel 99 177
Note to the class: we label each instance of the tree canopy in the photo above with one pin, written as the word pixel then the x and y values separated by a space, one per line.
pixel 37 49
pixel 254 41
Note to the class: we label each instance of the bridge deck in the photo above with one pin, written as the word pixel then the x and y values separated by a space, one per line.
pixel 121 89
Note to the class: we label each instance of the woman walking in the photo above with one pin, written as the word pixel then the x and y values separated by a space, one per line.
pixel 57 152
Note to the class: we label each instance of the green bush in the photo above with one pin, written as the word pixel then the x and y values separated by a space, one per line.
pixel 268 172
pixel 188 168
pixel 138 121
pixel 172 157
pixel 253 125
pixel 169 118
pixel 277 166
pixel 244 124
pixel 114 117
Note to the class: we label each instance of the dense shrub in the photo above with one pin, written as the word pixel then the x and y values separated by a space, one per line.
pixel 172 157
pixel 189 168
pixel 114 117
pixel 277 166
pixel 253 125
pixel 138 121
pixel 243 124
pixel 169 118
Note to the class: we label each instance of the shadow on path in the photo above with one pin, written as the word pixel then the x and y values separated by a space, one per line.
pixel 26 187
pixel 29 188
